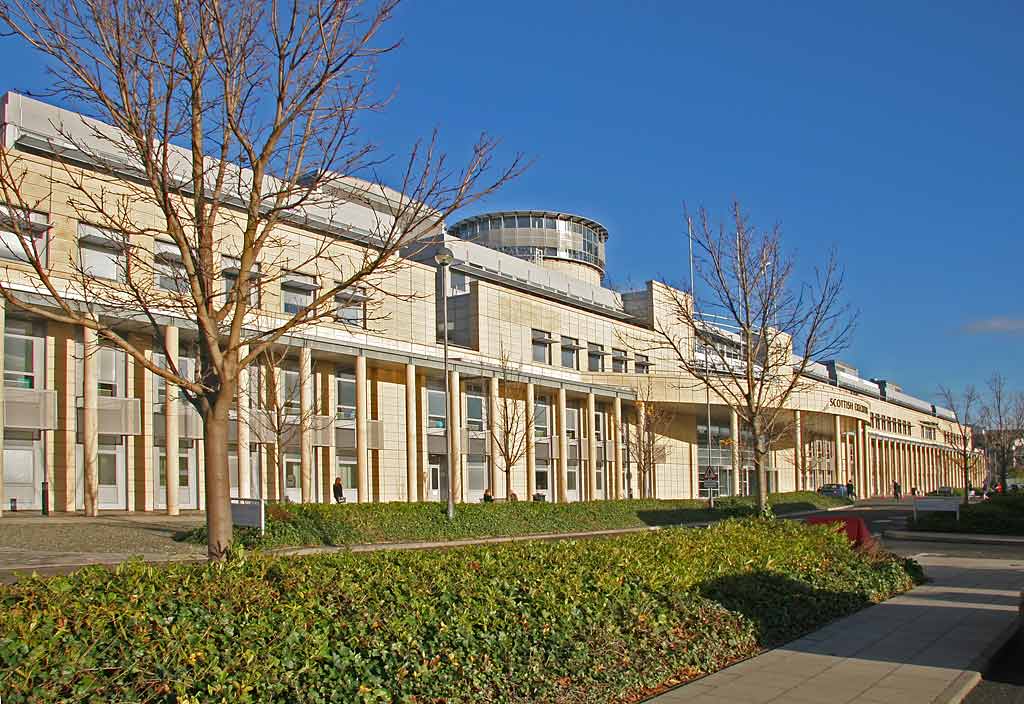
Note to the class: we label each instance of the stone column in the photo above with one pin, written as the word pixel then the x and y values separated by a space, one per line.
pixel 411 458
pixel 172 438
pixel 531 455
pixel 640 489
pixel 90 422
pixel 242 421
pixel 591 447
pixel 837 437
pixel 617 446
pixel 306 412
pixel 329 452
pixel 563 449
pixel 455 435
pixel 798 451
pixel 492 440
pixel 862 474
pixel 362 455
pixel 734 435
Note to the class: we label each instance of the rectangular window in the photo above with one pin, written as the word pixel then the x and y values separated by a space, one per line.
pixel 541 347
pixel 436 412
pixel 475 416
pixel 346 469
pixel 570 360
pixel 643 364
pixel 109 371
pixel 186 367
pixel 572 423
pixel 540 419
pixel 101 252
pixel 21 347
pixel 541 475
pixel 595 357
pixel 350 307
pixel 620 361
pixel 297 291
pixel 32 226
pixel 346 401
pixel 458 283
pixel 170 272
pixel 230 272
pixel 598 426
pixel 476 471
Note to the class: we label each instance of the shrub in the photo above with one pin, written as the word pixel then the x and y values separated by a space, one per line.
pixel 1000 515
pixel 348 524
pixel 567 621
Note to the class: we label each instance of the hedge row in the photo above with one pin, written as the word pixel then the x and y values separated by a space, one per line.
pixel 1000 515
pixel 567 621
pixel 349 524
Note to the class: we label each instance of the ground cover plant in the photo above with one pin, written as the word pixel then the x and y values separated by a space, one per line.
pixel 349 524
pixel 573 621
pixel 1000 515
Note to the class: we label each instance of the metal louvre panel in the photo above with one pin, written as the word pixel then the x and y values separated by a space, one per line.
pixel 323 431
pixel 116 416
pixel 261 426
pixel 190 423
pixel 345 438
pixel 374 434
pixel 30 409
pixel 436 445
pixel 478 446
pixel 574 450
pixel 542 449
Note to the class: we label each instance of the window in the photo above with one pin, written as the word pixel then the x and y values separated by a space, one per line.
pixel 346 401
pixel 170 273
pixel 33 226
pixel 21 347
pixel 288 387
pixel 436 411
pixel 297 291
pixel 346 469
pixel 475 415
pixel 620 361
pixel 541 475
pixel 186 367
pixel 476 472
pixel 101 253
pixel 643 364
pixel 109 371
pixel 231 268
pixel 541 347
pixel 595 357
pixel 458 283
pixel 598 426
pixel 570 360
pixel 541 428
pixel 351 307
pixel 572 423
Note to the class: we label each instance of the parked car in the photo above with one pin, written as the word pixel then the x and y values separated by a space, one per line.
pixel 832 490
pixel 942 491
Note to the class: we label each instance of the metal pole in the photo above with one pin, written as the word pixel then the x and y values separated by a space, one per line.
pixel 448 396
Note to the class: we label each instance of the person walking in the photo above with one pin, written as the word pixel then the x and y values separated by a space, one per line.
pixel 896 489
pixel 339 491
pixel 850 491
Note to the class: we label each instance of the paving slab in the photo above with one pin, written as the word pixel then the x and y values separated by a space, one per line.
pixel 927 646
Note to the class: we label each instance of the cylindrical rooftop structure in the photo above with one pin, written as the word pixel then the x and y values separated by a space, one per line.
pixel 571 244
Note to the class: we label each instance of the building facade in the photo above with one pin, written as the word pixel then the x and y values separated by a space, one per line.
pixel 363 397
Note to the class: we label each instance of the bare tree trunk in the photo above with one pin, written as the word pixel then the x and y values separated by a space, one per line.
pixel 760 466
pixel 508 483
pixel 218 483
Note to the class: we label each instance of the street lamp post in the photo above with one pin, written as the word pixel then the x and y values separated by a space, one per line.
pixel 444 258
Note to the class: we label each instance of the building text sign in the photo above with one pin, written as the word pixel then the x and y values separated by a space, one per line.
pixel 844 404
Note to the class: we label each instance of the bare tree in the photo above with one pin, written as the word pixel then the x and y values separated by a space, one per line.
pixel 647 446
pixel 265 100
pixel 964 407
pixel 510 429
pixel 755 327
pixel 1002 418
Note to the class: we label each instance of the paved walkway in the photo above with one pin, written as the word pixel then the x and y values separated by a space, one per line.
pixel 927 645
pixel 974 538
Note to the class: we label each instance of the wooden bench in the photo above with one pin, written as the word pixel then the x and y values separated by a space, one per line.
pixel 937 503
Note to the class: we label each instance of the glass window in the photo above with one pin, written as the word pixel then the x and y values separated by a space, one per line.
pixel 436 413
pixel 643 364
pixel 19 361
pixel 11 247
pixel 346 469
pixel 549 223
pixel 572 423
pixel 101 262
pixel 541 475
pixel 476 469
pixel 288 387
pixel 509 222
pixel 570 359
pixel 475 415
pixel 541 347
pixel 294 300
pixel 598 426
pixel 595 357
pixel 346 401
pixel 231 266
pixel 524 221
pixel 108 364
pixel 540 419
pixel 619 361
pixel 352 314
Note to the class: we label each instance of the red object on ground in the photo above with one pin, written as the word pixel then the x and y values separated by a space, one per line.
pixel 856 529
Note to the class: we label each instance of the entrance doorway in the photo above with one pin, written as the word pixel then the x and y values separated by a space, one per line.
pixel 437 485
pixel 23 469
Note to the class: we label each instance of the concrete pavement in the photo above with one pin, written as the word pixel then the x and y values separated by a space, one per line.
pixel 928 645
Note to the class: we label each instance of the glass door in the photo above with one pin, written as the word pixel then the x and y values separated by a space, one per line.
pixel 437 486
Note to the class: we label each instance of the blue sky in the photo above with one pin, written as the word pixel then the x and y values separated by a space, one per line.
pixel 891 131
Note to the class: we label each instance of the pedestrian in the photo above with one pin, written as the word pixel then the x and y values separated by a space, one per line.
pixel 339 491
pixel 850 490
pixel 896 491
pixel 488 496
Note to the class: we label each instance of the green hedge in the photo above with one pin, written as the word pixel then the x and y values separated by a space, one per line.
pixel 349 524
pixel 1000 515
pixel 567 621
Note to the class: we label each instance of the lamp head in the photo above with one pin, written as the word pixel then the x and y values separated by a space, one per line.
pixel 444 257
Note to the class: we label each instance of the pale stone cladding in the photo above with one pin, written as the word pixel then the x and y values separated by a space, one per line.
pixel 386 449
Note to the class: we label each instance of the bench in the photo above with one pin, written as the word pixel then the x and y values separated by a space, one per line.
pixel 937 503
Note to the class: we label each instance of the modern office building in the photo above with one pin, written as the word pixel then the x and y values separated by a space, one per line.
pixel 367 394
